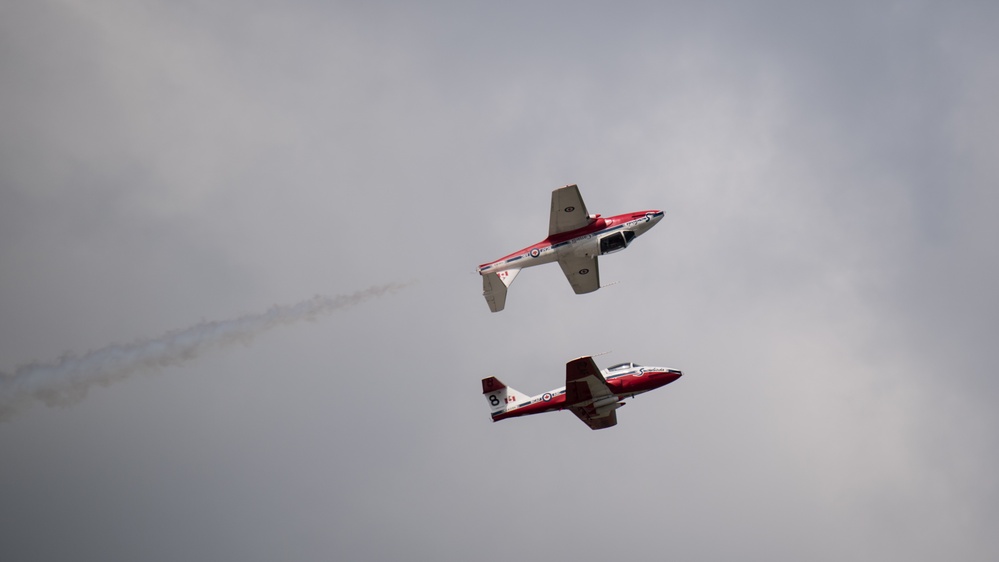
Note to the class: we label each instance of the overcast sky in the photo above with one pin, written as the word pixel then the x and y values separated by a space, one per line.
pixel 825 276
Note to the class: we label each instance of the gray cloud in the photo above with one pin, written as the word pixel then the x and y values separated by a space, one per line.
pixel 823 277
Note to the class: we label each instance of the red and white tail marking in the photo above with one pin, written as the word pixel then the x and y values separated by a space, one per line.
pixel 494 287
pixel 500 396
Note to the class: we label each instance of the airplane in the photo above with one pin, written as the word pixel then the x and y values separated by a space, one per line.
pixel 593 395
pixel 575 239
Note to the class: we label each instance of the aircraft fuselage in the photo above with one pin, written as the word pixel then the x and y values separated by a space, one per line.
pixel 586 241
pixel 625 383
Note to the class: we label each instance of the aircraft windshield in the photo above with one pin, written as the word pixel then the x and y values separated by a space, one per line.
pixel 621 366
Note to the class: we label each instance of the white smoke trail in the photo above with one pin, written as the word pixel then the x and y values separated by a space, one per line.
pixel 66 381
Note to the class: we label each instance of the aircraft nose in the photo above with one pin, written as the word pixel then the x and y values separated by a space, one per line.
pixel 671 375
pixel 654 216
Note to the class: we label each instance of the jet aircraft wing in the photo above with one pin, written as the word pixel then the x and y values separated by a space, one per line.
pixel 585 389
pixel 581 271
pixel 609 419
pixel 568 210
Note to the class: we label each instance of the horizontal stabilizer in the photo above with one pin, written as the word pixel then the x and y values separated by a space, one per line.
pixel 494 287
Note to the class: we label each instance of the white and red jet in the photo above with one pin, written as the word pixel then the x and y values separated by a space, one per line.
pixel 575 239
pixel 593 395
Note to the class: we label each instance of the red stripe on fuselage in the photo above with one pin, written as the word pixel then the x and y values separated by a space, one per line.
pixel 623 386
pixel 597 225
pixel 556 403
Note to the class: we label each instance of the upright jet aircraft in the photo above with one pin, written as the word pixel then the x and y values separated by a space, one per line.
pixel 591 394
pixel 575 239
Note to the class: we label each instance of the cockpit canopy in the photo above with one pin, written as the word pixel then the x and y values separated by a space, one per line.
pixel 623 366
pixel 616 242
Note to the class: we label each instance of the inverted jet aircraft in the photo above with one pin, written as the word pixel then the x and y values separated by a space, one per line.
pixel 575 239
pixel 593 395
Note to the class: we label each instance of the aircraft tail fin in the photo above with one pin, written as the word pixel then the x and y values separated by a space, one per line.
pixel 500 396
pixel 494 287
